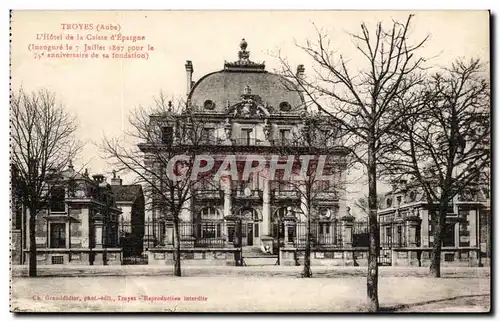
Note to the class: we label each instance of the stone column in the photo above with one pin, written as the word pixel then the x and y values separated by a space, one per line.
pixel 68 234
pixel 98 235
pixel 288 253
pixel 266 239
pixel 266 208
pixel 456 227
pixel 149 213
pixel 472 218
pixel 347 226
pixel 228 207
pixel 474 255
pixel 169 234
pixel 412 224
pixel 186 224
pixel 99 230
pixel 288 221
pixel 424 230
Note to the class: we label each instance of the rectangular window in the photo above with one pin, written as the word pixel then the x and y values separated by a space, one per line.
pixel 449 235
pixel 208 135
pixel 327 228
pixel 218 230
pixel 284 136
pixel 57 199
pixel 256 229
pixel 209 230
pixel 167 135
pixel 57 259
pixel 464 234
pixel 58 235
pixel 230 233
pixel 246 136
pixel 449 257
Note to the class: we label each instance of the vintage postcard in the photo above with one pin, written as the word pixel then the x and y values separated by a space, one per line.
pixel 250 161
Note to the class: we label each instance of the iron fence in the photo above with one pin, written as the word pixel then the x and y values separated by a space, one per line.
pixel 322 234
pixel 137 238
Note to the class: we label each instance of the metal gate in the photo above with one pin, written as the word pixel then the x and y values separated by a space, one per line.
pixel 131 242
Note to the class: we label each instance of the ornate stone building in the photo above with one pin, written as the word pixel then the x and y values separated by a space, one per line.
pixel 247 110
pixel 79 225
pixel 406 234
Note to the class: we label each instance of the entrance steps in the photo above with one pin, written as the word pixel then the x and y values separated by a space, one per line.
pixel 253 256
pixel 260 261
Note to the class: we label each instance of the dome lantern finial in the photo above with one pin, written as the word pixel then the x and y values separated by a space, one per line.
pixel 243 44
pixel 243 54
pixel 244 62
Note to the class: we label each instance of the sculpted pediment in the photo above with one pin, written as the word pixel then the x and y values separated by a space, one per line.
pixel 250 105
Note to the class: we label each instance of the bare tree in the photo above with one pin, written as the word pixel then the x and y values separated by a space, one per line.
pixel 444 144
pixel 362 203
pixel 314 175
pixel 361 102
pixel 43 142
pixel 168 141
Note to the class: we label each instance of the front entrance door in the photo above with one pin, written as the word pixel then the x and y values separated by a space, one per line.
pixel 249 234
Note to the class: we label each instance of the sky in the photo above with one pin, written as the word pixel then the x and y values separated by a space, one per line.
pixel 102 92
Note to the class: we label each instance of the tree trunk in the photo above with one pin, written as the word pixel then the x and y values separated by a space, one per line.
pixel 438 233
pixel 32 254
pixel 307 254
pixel 373 250
pixel 177 257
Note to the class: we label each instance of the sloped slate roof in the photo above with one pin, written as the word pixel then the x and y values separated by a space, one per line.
pixel 126 192
pixel 228 86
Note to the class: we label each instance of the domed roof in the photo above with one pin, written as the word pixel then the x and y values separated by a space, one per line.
pixel 218 91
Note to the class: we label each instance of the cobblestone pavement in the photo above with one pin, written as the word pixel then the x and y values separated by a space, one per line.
pixel 231 293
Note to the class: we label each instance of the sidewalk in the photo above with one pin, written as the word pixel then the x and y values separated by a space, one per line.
pixel 255 271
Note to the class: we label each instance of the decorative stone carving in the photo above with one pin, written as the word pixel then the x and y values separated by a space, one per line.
pixel 250 105
pixel 267 130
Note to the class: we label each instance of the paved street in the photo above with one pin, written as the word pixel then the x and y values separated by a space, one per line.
pixel 236 289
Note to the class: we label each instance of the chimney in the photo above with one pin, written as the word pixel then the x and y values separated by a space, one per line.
pixel 189 75
pixel 116 180
pixel 300 72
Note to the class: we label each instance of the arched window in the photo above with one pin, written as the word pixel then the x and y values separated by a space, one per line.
pixel 210 213
pixel 389 202
pixel 249 214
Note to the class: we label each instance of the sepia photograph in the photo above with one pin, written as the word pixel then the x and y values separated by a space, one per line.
pixel 260 161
